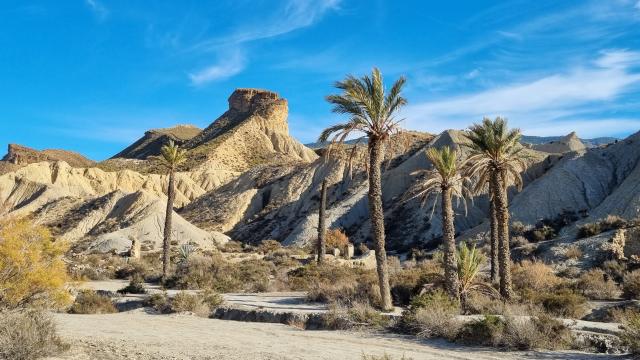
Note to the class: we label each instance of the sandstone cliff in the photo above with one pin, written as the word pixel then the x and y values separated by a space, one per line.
pixel 18 156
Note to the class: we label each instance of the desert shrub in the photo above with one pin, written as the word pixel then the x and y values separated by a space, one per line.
pixel 573 252
pixel 588 230
pixel 615 269
pixel 431 315
pixel 595 284
pixel 518 241
pixel 141 268
pixel 486 331
pixel 267 246
pixel 232 246
pixel 90 302
pixel 631 334
pixel 620 314
pixel 562 303
pixel 136 286
pixel 213 272
pixel 631 285
pixel 32 272
pixel 541 233
pixel 355 316
pixel 518 228
pixel 611 222
pixel 517 333
pixel 199 304
pixel 409 280
pixel 336 238
pixel 28 335
pixel 335 283
pixel 533 276
pixel 95 266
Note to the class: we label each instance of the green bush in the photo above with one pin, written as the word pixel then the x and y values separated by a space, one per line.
pixel 136 286
pixel 355 316
pixel 201 304
pixel 90 302
pixel 28 335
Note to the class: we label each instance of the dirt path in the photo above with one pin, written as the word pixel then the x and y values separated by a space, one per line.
pixel 139 335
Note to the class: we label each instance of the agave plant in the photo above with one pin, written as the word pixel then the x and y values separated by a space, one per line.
pixel 185 251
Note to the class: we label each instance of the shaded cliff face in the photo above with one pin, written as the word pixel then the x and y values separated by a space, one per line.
pixel 153 140
pixel 253 131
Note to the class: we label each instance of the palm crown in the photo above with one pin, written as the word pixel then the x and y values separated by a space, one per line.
pixel 173 155
pixel 495 148
pixel 371 110
pixel 445 174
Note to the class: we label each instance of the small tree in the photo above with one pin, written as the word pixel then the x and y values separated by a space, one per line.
pixel 172 156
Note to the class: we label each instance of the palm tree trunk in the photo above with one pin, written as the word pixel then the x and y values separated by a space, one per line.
pixel 322 227
pixel 504 254
pixel 452 283
pixel 495 277
pixel 376 153
pixel 167 227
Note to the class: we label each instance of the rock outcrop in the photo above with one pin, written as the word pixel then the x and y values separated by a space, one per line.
pixel 153 140
pixel 253 131
pixel 18 156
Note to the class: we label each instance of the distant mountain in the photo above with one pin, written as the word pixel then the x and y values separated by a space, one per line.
pixel 322 145
pixel 590 143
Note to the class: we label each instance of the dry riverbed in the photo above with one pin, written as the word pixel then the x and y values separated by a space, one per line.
pixel 138 334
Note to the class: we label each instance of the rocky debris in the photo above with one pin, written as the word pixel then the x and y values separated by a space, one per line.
pixel 568 143
pixel 153 140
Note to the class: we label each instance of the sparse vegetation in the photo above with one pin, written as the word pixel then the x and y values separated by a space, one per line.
pixel 611 222
pixel 91 302
pixel 28 335
pixel 573 252
pixel 201 303
pixel 337 239
pixel 595 284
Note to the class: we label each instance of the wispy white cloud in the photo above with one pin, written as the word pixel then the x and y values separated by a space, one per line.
pixel 98 9
pixel 553 97
pixel 294 15
pixel 226 67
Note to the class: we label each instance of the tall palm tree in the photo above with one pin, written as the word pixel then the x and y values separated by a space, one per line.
pixel 322 223
pixel 172 156
pixel 372 111
pixel 446 179
pixel 497 159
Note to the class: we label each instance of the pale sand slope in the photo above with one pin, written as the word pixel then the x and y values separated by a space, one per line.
pixel 138 335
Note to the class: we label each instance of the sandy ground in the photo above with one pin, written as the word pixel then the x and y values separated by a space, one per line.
pixel 141 335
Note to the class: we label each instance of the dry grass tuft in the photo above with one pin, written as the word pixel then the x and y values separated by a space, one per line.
pixel 28 335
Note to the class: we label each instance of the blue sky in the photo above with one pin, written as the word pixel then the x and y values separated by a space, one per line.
pixel 93 75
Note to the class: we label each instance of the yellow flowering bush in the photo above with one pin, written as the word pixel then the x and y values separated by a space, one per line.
pixel 32 272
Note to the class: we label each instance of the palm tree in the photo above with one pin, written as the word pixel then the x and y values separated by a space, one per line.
pixel 497 159
pixel 322 222
pixel 470 261
pixel 446 179
pixel 172 156
pixel 371 111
